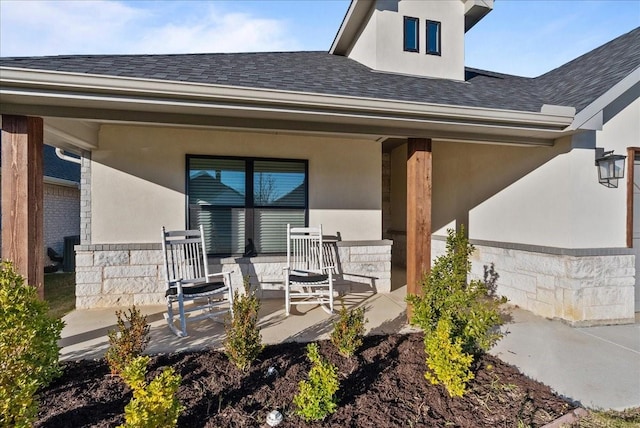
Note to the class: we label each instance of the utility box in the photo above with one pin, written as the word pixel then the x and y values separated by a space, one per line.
pixel 69 256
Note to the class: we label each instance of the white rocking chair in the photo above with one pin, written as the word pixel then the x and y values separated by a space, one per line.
pixel 188 280
pixel 307 279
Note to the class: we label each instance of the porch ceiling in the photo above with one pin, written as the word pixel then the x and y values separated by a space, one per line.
pixel 75 106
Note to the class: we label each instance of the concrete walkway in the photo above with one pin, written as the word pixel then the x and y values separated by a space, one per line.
pixel 599 367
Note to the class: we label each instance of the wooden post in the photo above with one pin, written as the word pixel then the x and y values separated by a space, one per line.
pixel 22 197
pixel 419 173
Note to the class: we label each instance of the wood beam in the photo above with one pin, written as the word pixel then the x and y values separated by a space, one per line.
pixel 22 197
pixel 631 158
pixel 419 189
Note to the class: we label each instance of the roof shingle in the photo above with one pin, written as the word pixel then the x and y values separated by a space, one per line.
pixel 575 84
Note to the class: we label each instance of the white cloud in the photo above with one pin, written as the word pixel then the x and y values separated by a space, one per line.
pixel 218 32
pixel 97 26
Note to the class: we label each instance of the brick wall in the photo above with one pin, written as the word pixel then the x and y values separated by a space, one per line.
pixel 61 215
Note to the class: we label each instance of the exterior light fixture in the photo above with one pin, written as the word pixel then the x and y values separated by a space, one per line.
pixel 610 167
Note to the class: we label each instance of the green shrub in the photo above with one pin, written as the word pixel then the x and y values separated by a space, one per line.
pixel 348 331
pixel 129 341
pixel 153 405
pixel 243 343
pixel 447 363
pixel 316 398
pixel 470 308
pixel 28 348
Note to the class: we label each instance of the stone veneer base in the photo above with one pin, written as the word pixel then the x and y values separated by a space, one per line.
pixel 126 274
pixel 583 287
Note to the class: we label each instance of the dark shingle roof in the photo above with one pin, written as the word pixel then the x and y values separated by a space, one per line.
pixel 316 72
pixel 579 82
pixel 576 84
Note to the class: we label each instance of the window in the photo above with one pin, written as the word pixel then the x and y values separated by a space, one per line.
pixel 411 34
pixel 433 38
pixel 242 199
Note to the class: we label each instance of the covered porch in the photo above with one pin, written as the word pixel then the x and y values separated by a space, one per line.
pixel 134 172
pixel 85 332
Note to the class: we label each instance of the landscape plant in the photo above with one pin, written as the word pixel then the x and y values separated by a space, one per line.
pixel 128 341
pixel 348 331
pixel 28 348
pixel 458 317
pixel 154 404
pixel 243 342
pixel 317 395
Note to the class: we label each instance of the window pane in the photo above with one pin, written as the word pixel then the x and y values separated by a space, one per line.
pixel 223 228
pixel 433 37
pixel 271 228
pixel 277 183
pixel 411 34
pixel 219 182
pixel 216 201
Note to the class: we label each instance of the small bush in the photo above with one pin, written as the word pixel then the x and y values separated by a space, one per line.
pixel 129 341
pixel 348 331
pixel 470 309
pixel 243 343
pixel 447 363
pixel 316 398
pixel 153 405
pixel 28 348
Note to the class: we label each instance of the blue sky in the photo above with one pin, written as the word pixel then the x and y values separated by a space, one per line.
pixel 522 37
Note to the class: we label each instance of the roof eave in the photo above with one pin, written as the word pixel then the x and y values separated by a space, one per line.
pixel 590 117
pixel 351 24
pixel 24 90
pixel 474 11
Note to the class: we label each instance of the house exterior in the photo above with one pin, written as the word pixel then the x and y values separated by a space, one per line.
pixel 387 140
pixel 61 191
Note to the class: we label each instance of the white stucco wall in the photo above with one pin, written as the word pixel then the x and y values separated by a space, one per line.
pixel 138 179
pixel 380 44
pixel 545 196
pixel 561 203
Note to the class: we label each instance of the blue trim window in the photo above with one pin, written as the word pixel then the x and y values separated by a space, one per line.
pixel 411 34
pixel 433 38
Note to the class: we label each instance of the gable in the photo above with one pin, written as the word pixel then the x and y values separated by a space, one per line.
pixel 374 33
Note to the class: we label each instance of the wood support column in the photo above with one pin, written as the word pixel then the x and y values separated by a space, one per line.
pixel 22 197
pixel 419 180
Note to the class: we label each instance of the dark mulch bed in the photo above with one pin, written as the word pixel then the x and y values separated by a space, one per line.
pixel 383 386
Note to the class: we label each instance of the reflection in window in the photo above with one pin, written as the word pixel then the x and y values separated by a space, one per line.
pixel 238 200
pixel 433 38
pixel 411 34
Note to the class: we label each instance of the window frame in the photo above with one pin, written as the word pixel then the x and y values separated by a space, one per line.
pixel 249 205
pixel 437 52
pixel 417 34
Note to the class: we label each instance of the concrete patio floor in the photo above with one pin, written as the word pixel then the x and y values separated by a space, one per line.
pixel 85 333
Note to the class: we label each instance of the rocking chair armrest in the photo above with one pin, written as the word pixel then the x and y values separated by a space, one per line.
pixel 221 273
pixel 177 283
pixel 226 275
pixel 328 268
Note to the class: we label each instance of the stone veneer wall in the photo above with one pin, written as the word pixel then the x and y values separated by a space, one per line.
pixel 126 274
pixel 580 286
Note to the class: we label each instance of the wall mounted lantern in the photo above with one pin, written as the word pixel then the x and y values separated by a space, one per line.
pixel 610 167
